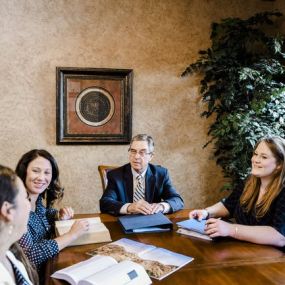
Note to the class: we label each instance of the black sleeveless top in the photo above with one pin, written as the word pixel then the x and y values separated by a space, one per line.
pixel 275 217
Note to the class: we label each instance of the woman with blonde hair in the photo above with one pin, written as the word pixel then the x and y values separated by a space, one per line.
pixel 259 208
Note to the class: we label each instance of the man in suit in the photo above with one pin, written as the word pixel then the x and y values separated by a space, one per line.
pixel 140 187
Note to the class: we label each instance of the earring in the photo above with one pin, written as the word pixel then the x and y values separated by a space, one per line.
pixel 10 230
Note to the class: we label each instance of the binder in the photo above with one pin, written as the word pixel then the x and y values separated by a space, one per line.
pixel 145 223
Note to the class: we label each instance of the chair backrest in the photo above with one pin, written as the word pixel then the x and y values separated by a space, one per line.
pixel 103 169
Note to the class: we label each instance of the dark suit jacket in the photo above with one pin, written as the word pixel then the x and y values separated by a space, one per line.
pixel 119 191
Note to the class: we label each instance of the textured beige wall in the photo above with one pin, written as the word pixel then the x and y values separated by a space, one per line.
pixel 157 39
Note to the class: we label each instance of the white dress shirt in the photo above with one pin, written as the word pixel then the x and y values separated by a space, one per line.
pixel 123 210
pixel 5 277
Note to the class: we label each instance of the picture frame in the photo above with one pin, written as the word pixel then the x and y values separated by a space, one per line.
pixel 93 105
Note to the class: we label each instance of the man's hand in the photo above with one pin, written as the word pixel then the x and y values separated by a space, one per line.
pixel 145 208
pixel 157 207
pixel 140 206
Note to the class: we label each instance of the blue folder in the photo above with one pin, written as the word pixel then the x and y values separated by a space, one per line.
pixel 193 225
pixel 145 223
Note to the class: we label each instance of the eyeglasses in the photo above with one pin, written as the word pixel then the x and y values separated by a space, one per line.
pixel 142 152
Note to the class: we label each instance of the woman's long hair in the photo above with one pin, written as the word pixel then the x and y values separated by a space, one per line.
pixel 54 190
pixel 251 190
pixel 20 255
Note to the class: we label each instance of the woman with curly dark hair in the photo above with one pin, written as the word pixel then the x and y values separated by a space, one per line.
pixel 39 172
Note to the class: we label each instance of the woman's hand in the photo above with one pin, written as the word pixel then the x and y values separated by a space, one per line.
pixel 199 214
pixel 79 228
pixel 217 227
pixel 65 213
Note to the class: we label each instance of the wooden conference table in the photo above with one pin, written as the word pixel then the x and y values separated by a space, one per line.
pixel 225 261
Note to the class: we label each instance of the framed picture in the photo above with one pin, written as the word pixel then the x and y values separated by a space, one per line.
pixel 93 106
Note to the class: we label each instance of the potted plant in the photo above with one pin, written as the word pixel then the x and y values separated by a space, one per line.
pixel 243 86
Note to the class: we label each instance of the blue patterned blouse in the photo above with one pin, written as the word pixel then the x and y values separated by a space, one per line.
pixel 37 243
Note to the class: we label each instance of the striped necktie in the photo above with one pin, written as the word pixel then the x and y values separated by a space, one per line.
pixel 139 191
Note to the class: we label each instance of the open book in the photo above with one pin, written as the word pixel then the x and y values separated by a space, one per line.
pixel 102 270
pixel 97 231
pixel 158 262
pixel 193 227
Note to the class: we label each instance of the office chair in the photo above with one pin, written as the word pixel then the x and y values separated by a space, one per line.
pixel 103 169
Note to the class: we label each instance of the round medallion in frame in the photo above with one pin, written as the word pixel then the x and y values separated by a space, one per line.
pixel 95 106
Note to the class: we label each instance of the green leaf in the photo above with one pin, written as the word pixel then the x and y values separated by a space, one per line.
pixel 243 85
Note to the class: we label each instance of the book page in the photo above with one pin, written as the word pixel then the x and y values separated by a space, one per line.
pixel 96 233
pixel 166 257
pixel 134 246
pixel 158 262
pixel 123 273
pixel 172 261
pixel 64 226
pixel 193 234
pixel 74 273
